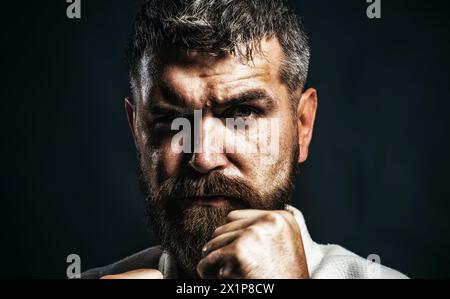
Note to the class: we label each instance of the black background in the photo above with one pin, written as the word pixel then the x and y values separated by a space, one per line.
pixel 376 180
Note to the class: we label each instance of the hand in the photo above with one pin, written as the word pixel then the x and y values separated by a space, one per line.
pixel 136 274
pixel 255 244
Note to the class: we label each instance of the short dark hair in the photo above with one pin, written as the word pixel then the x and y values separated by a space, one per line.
pixel 215 26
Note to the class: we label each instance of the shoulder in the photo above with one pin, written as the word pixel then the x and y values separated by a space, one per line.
pixel 147 258
pixel 338 262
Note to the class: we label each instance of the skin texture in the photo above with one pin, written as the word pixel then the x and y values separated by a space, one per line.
pixel 252 236
pixel 200 81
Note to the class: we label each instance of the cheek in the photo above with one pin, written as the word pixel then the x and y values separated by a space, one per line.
pixel 170 162
pixel 157 158
pixel 266 157
pixel 165 163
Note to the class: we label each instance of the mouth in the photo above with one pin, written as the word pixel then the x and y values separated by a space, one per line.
pixel 214 201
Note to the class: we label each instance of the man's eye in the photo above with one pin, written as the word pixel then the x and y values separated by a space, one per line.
pixel 242 111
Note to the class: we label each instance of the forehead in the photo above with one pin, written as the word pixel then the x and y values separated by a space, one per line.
pixel 198 76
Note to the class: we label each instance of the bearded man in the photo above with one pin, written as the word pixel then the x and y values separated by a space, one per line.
pixel 219 197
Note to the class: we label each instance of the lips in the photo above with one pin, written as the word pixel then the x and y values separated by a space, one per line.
pixel 214 201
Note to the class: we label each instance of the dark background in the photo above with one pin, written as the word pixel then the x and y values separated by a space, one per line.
pixel 376 180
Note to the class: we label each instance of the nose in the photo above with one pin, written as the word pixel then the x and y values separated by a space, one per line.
pixel 210 154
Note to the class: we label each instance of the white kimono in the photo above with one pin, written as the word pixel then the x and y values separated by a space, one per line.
pixel 334 261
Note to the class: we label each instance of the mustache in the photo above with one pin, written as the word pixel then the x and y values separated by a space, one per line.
pixel 213 184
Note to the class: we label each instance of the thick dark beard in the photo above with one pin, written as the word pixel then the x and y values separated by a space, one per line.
pixel 184 231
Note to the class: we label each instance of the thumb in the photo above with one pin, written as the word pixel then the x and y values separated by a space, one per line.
pixel 137 274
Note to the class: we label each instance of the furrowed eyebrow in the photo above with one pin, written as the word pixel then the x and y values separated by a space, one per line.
pixel 248 97
pixel 178 103
pixel 172 103
pixel 162 110
pixel 171 96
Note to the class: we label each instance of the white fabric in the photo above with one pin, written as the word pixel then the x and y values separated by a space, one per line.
pixel 333 261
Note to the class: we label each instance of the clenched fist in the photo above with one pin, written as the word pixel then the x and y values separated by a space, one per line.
pixel 255 244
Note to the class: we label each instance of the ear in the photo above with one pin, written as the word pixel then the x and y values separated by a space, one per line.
pixel 306 113
pixel 131 116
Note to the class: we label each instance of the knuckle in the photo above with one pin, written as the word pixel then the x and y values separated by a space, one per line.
pixel 285 214
pixel 229 270
pixel 226 271
pixel 254 231
pixel 288 217
pixel 274 218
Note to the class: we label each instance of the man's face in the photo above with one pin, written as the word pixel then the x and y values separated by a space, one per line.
pixel 190 194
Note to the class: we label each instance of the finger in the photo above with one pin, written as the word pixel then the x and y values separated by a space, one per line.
pixel 220 241
pixel 245 214
pixel 221 263
pixel 232 226
pixel 137 274
pixel 209 266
